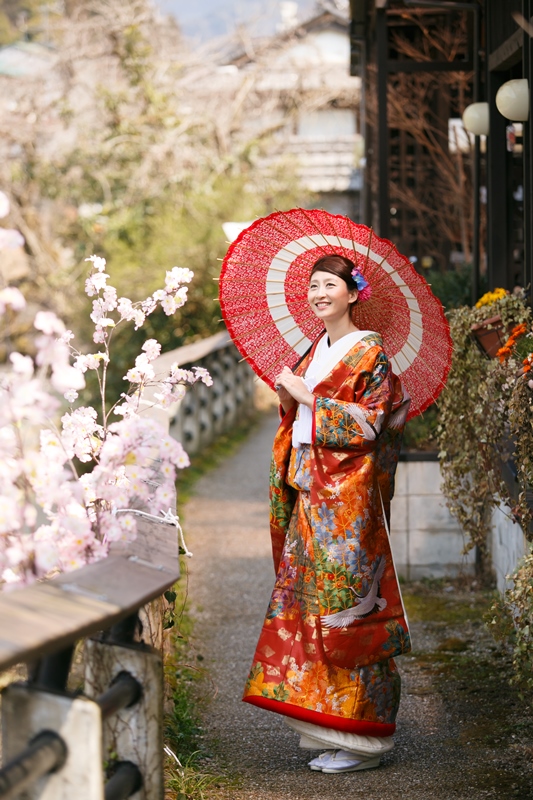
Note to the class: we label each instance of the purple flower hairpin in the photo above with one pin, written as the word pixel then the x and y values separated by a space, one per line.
pixel 363 286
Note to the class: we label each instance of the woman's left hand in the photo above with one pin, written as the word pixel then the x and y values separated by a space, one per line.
pixel 296 387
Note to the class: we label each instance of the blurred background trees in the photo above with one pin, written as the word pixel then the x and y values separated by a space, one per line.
pixel 117 138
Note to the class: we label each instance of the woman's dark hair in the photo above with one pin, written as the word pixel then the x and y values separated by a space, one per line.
pixel 336 265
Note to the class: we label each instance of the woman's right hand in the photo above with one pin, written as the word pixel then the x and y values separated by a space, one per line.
pixel 286 400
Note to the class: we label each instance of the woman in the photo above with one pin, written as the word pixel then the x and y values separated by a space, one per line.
pixel 336 616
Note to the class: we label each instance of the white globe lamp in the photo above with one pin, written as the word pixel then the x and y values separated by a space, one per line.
pixel 512 100
pixel 476 119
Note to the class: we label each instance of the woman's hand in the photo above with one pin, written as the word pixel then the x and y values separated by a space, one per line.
pixel 293 388
pixel 286 400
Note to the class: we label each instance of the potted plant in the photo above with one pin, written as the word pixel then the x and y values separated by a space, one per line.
pixel 490 333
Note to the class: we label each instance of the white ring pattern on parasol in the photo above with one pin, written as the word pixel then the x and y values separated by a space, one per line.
pixel 284 320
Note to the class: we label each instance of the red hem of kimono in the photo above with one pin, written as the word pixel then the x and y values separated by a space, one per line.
pixel 360 726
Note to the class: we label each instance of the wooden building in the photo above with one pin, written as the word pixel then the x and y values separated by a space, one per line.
pixel 509 55
pixel 436 57
pixel 298 87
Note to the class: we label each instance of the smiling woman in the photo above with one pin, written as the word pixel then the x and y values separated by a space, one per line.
pixel 336 617
pixel 331 299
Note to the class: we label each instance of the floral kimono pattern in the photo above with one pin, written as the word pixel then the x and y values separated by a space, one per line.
pixel 336 617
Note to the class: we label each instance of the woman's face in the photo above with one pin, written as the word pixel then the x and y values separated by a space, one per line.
pixel 329 296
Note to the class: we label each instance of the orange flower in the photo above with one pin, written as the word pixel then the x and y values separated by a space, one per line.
pixel 504 352
pixel 519 330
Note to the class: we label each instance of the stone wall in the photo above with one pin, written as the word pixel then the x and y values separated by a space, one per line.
pixel 508 545
pixel 209 411
pixel 427 541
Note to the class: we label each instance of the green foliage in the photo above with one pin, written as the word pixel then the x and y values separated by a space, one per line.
pixel 453 287
pixel 191 781
pixel 18 15
pixel 8 32
pixel 473 420
pixel 487 416
pixel 521 432
pixel 420 432
pixel 511 622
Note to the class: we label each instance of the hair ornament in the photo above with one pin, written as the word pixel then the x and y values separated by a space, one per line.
pixel 363 286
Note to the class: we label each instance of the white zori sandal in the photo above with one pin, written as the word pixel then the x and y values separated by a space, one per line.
pixel 320 761
pixel 334 761
pixel 346 752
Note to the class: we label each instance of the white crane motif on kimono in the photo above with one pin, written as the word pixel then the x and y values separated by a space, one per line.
pixel 365 605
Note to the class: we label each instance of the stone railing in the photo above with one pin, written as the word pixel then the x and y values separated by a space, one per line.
pixel 208 411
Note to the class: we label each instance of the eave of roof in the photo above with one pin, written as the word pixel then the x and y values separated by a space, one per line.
pixel 316 22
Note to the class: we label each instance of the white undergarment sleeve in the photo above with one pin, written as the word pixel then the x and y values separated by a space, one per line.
pixel 324 360
pixel 329 738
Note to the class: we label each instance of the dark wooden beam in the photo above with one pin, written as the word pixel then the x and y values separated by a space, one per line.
pixel 507 54
pixel 430 66
pixel 499 194
pixel 527 72
pixel 382 47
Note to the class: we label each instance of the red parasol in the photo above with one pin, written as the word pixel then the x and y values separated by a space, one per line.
pixel 263 296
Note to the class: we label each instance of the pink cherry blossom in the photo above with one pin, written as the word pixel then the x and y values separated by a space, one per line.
pixel 180 298
pixel 203 375
pixel 49 323
pixel 95 283
pixel 4 205
pixel 180 375
pixel 125 309
pixel 139 319
pixel 10 239
pixel 169 305
pixel 22 365
pixel 82 514
pixel 12 298
pixel 99 335
pixel 176 276
pixel 81 433
pixel 66 378
pixel 99 263
pixel 52 447
pixel 152 349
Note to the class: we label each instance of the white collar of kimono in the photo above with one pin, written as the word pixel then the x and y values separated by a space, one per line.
pixel 324 360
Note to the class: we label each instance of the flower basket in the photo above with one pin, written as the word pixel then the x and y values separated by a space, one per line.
pixel 490 335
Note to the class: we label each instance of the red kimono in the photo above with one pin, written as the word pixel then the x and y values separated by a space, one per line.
pixel 336 617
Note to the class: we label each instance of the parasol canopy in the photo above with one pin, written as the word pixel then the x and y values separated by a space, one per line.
pixel 263 296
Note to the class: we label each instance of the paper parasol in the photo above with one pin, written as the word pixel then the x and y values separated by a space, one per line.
pixel 263 296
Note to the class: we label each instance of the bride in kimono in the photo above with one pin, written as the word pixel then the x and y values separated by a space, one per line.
pixel 336 616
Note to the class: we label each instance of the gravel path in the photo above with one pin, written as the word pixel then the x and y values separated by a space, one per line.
pixel 437 755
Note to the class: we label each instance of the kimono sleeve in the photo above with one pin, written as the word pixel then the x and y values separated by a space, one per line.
pixel 341 423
